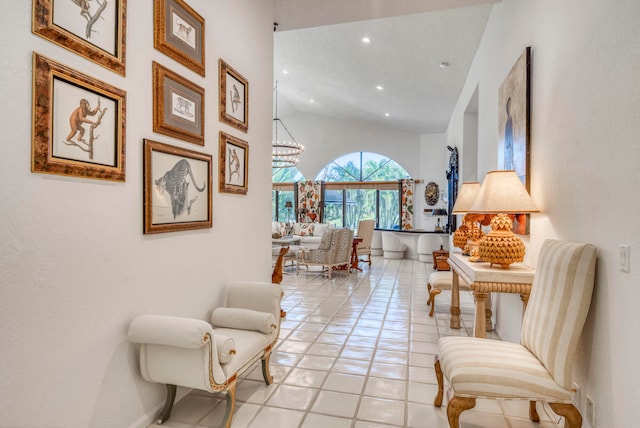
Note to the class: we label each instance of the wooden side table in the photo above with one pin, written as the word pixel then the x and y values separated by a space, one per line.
pixel 440 259
pixel 483 280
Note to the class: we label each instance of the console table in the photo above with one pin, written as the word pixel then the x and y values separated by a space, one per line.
pixel 483 280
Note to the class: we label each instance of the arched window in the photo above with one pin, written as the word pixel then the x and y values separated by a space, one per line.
pixel 280 195
pixel 362 166
pixel 361 186
pixel 286 175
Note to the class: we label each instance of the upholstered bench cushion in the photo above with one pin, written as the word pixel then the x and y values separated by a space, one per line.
pixel 494 369
pixel 243 319
pixel 441 279
pixel 248 345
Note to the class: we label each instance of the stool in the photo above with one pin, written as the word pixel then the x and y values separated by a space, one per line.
pixel 438 281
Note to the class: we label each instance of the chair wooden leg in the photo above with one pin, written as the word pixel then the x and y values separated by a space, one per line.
pixel 432 297
pixel 438 400
pixel 231 406
pixel 168 405
pixel 533 412
pixel 572 417
pixel 266 373
pixel 456 406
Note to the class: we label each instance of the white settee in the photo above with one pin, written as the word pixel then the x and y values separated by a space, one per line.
pixel 309 233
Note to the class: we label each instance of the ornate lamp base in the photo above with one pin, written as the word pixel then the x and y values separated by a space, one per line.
pixel 501 246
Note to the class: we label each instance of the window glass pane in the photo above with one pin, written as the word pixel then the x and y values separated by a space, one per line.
pixel 361 205
pixel 362 166
pixel 389 210
pixel 284 213
pixel 286 175
pixel 333 207
pixel 273 205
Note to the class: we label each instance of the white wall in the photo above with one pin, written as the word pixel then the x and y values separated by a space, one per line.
pixel 325 139
pixel 585 158
pixel 75 267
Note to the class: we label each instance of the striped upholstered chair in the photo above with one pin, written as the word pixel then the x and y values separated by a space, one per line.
pixel 539 368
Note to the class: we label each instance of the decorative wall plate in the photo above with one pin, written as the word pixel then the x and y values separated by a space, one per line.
pixel 431 193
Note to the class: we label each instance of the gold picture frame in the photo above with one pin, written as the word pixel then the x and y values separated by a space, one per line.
pixel 98 34
pixel 234 97
pixel 178 32
pixel 78 123
pixel 175 181
pixel 178 106
pixel 233 168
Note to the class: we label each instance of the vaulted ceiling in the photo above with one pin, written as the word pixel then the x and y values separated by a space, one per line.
pixel 419 52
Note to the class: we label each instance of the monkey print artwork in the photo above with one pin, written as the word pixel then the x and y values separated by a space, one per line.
pixel 78 120
pixel 85 11
pixel 235 98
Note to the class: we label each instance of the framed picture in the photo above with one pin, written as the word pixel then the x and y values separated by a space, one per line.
pixel 233 175
pixel 178 32
pixel 78 123
pixel 95 30
pixel 177 189
pixel 234 98
pixel 514 124
pixel 178 106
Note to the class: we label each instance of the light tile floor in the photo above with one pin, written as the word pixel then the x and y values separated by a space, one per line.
pixel 355 351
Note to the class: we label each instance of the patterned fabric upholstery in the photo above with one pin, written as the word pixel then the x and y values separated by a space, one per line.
pixel 539 369
pixel 338 253
pixel 555 315
pixel 365 231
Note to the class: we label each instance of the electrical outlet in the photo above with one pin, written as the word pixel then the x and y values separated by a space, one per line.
pixel 590 411
pixel 575 396
pixel 625 257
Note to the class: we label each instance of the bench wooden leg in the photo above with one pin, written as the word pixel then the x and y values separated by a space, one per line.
pixel 266 374
pixel 432 297
pixel 168 405
pixel 231 406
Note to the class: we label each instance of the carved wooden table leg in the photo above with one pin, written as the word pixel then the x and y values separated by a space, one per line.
pixel 455 301
pixel 488 313
pixel 480 324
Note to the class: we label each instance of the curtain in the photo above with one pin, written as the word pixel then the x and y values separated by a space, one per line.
pixel 310 198
pixel 406 203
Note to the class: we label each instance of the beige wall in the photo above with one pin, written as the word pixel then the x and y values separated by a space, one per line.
pixel 585 158
pixel 75 267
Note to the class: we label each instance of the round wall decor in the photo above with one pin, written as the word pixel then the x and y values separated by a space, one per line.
pixel 431 193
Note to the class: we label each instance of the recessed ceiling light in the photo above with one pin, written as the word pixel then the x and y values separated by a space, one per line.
pixel 444 64
pixel 379 88
pixel 366 40
pixel 285 71
pixel 387 114
pixel 312 100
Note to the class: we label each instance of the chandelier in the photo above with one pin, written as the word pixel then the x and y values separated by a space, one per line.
pixel 284 152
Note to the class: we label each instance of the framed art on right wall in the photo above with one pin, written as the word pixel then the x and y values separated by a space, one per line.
pixel 514 127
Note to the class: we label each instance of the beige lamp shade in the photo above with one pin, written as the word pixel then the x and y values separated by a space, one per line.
pixel 466 197
pixel 503 192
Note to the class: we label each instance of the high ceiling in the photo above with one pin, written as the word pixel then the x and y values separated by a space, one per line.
pixel 319 45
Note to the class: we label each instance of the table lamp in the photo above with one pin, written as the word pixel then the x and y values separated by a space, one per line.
pixel 502 193
pixel 288 205
pixel 469 231
pixel 437 212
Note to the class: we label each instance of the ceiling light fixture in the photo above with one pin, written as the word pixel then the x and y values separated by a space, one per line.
pixel 380 88
pixel 285 71
pixel 284 154
pixel 366 40
pixel 387 114
pixel 444 64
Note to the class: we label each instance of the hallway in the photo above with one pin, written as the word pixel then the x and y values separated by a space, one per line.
pixel 355 351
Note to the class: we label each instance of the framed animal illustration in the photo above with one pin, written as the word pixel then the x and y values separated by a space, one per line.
pixel 78 123
pixel 177 189
pixel 179 33
pixel 233 172
pixel 91 28
pixel 178 106
pixel 234 97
